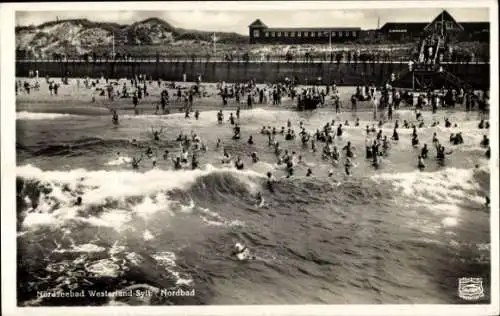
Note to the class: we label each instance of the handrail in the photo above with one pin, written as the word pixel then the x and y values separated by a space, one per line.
pixel 436 50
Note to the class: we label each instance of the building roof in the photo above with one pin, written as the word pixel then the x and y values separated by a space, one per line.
pixel 257 23
pixel 444 16
pixel 476 26
pixel 313 29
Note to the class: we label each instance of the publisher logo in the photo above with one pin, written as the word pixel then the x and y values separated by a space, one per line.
pixel 470 289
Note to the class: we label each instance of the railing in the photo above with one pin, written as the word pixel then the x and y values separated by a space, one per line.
pixel 398 60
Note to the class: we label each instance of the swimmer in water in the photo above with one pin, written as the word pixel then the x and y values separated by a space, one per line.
pixel 156 134
pixel 447 123
pixel 348 166
pixel 78 201
pixel 250 140
pixel 435 139
pixel 239 163
pixel 194 162
pixel 488 152
pixel 135 162
pixel 424 152
pixel 260 199
pixel 177 163
pixel 485 142
pixel 309 172
pixel 339 130
pixel 254 157
pixel 313 146
pixel 421 165
pixel 441 153
pixel 226 158
pixel 385 146
pixel 395 135
pixel 270 181
pixel 376 161
pixel 231 118
pixel 115 117
pixel 241 252
pixel 349 150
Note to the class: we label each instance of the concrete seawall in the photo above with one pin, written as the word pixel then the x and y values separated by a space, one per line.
pixel 478 75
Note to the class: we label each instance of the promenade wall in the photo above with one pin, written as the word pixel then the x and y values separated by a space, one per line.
pixel 352 74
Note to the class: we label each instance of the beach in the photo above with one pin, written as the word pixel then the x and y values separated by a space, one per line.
pixel 390 235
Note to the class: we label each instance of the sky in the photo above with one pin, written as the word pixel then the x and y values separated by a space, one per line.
pixel 238 21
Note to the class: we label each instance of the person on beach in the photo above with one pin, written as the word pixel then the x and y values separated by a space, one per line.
pixel 485 142
pixel 414 140
pixel 236 132
pixel 135 100
pixel 220 117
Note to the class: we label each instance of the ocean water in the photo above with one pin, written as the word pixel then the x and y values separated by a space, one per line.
pixel 391 235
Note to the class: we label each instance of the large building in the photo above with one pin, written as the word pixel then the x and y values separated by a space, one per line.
pixel 262 34
pixel 443 23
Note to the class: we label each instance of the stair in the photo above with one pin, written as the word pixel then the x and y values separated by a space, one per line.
pixel 421 55
pixel 454 80
pixel 436 51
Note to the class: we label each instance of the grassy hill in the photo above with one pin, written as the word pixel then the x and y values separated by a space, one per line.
pixel 80 36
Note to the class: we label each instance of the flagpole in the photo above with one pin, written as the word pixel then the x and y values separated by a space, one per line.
pixel 214 44
pixel 113 52
pixel 442 24
pixel 330 41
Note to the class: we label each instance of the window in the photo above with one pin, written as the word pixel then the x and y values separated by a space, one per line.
pixel 340 34
pixel 299 34
pixel 266 34
pixel 256 33
pixel 273 34
pixel 449 25
pixel 354 34
pixel 334 34
pixel 292 34
pixel 279 34
pixel 306 34
pixel 285 34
